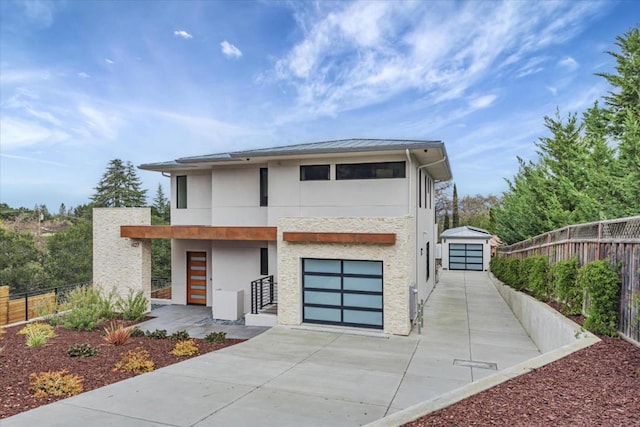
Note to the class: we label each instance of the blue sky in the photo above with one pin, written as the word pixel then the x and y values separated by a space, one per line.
pixel 84 82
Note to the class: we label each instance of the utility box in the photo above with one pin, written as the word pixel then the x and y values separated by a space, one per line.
pixel 228 305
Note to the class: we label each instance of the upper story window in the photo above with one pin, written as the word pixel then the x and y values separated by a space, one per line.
pixel 314 173
pixel 264 187
pixel 181 193
pixel 371 170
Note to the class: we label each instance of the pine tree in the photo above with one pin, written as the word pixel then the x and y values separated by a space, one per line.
pixel 455 214
pixel 446 222
pixel 119 187
pixel 161 205
pixel 626 94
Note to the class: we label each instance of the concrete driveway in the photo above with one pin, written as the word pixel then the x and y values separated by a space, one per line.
pixel 316 376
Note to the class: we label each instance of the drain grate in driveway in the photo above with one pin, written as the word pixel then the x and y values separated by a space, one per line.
pixel 474 364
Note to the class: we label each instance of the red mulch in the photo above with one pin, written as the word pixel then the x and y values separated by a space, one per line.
pixel 17 361
pixel 595 386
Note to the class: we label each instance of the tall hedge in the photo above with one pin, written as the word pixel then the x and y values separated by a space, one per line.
pixel 602 283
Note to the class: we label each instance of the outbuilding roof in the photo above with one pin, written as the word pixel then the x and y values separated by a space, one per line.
pixel 466 232
pixel 426 153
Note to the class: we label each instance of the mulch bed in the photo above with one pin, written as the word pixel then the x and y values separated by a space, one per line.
pixel 17 361
pixel 595 386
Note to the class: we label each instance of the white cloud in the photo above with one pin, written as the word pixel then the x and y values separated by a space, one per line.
pixel 108 61
pixel 100 123
pixel 182 34
pixel 32 159
pixel 482 102
pixel 553 90
pixel 83 75
pixel 569 63
pixel 365 53
pixel 230 50
pixel 17 133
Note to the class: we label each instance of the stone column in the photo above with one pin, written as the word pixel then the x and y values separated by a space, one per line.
pixel 121 263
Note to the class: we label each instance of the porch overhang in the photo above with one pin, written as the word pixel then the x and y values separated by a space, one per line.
pixel 197 232
pixel 349 238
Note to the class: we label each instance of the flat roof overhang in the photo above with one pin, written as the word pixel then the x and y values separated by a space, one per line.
pixel 198 232
pixel 350 238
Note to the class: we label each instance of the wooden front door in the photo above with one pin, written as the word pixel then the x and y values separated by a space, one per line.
pixel 197 278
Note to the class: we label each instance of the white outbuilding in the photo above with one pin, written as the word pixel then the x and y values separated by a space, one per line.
pixel 466 248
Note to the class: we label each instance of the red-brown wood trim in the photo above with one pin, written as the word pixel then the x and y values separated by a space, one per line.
pixel 357 238
pixel 194 232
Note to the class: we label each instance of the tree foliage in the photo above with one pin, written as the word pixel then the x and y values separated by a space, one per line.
pixel 455 216
pixel 20 262
pixel 70 255
pixel 588 168
pixel 119 187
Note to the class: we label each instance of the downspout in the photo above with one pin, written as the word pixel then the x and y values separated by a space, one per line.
pixel 410 174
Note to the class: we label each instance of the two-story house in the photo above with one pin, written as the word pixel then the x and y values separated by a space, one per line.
pixel 345 228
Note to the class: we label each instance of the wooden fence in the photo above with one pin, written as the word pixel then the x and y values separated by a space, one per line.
pixel 617 240
pixel 25 308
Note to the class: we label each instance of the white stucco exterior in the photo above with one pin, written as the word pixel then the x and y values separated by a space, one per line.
pixel 225 191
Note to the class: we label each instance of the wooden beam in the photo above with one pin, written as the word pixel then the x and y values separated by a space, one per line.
pixel 195 232
pixel 350 238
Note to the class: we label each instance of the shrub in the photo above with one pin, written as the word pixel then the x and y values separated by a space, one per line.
pixel 512 272
pixel 566 287
pixel 135 361
pixel 55 383
pixel 179 336
pixel 36 340
pixel 133 306
pixel 185 348
pixel 137 332
pixel 602 284
pixel 82 350
pixel 215 337
pixel 539 280
pixel 87 308
pixel 116 334
pixel 158 334
pixel 37 328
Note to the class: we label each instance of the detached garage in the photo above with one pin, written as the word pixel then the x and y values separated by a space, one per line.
pixel 466 248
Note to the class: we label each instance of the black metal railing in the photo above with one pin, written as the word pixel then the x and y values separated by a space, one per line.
pixel 40 300
pixel 264 292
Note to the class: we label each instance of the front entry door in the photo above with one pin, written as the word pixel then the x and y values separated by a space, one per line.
pixel 197 278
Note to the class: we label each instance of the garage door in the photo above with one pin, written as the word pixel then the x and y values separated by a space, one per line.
pixel 342 292
pixel 465 256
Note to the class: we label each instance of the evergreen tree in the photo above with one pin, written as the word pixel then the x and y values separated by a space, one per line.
pixel 70 255
pixel 119 187
pixel 446 222
pixel 161 206
pixel 455 214
pixel 626 82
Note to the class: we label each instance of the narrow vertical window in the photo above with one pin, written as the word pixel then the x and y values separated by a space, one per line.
pixel 264 186
pixel 264 261
pixel 419 188
pixel 181 193
pixel 428 260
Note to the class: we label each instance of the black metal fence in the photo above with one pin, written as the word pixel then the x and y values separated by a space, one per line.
pixel 264 292
pixel 24 306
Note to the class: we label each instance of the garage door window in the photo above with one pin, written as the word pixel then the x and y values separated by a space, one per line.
pixel 342 292
pixel 465 256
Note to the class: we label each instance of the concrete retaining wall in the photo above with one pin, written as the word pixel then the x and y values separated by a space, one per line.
pixel 547 328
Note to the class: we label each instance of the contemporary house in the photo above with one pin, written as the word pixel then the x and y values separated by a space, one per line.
pixel 337 232
pixel 466 248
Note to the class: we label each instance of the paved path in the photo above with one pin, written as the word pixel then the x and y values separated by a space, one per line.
pixel 315 376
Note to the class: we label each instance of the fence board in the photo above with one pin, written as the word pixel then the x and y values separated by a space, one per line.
pixel 617 240
pixel 16 307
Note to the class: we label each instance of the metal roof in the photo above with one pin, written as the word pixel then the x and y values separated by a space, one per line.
pixel 466 232
pixel 419 147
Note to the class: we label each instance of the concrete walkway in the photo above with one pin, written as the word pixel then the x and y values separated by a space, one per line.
pixel 315 376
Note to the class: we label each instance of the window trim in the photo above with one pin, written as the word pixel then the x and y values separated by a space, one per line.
pixel 181 180
pixel 340 166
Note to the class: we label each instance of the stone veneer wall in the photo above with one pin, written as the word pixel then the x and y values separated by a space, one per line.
pixel 120 262
pixel 398 261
